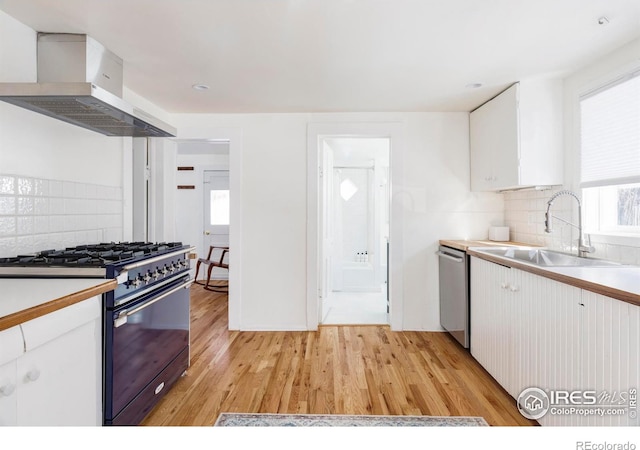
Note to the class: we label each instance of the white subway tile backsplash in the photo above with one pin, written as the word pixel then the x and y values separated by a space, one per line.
pixel 25 206
pixel 7 246
pixel 37 214
pixel 25 186
pixel 7 184
pixel 40 206
pixel 55 188
pixel 24 225
pixel 41 224
pixel 68 189
pixel 40 187
pixel 7 226
pixel 7 205
pixel 91 191
pixel 56 206
pixel 56 224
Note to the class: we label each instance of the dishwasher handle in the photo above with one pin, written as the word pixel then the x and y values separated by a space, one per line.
pixel 449 256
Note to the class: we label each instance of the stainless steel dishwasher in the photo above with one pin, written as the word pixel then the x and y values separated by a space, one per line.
pixel 454 293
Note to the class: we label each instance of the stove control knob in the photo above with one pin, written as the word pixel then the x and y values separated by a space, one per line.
pixel 172 267
pixel 135 282
pixel 146 277
pixel 155 274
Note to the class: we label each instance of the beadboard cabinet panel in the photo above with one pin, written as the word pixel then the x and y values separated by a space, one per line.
pixel 531 331
pixel 610 353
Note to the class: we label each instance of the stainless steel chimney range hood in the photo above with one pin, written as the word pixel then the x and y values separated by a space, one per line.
pixel 80 82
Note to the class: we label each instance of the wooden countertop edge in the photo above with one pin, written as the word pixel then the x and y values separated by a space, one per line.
pixel 577 282
pixel 45 308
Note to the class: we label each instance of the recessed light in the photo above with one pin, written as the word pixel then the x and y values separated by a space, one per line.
pixel 603 20
pixel 200 87
pixel 473 85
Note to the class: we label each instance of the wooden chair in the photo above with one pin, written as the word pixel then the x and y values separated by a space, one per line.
pixel 220 262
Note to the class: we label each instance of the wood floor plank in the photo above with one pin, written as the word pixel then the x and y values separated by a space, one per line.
pixel 335 370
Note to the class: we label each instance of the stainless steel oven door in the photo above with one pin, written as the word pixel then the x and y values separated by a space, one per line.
pixel 143 340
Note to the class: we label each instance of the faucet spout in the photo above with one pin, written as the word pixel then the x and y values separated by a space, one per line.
pixel 584 244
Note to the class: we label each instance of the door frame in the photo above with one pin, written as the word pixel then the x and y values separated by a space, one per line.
pixel 316 132
pixel 234 137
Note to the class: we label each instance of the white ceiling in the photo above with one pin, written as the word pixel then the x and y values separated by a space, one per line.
pixel 336 55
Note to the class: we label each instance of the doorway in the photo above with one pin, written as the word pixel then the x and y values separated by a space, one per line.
pixel 216 217
pixel 204 173
pixel 354 222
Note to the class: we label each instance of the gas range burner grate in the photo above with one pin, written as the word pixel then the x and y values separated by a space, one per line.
pixel 92 255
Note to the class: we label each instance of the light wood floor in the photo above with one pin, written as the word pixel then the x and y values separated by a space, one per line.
pixel 336 370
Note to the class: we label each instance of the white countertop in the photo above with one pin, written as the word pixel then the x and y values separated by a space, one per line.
pixel 623 278
pixel 19 294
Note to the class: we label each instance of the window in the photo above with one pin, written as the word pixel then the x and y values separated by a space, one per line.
pixel 610 157
pixel 219 207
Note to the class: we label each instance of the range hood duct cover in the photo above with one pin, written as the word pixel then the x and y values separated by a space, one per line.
pixel 80 82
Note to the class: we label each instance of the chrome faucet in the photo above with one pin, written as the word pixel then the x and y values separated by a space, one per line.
pixel 584 245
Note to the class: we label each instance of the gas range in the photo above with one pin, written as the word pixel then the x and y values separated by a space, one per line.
pixel 145 318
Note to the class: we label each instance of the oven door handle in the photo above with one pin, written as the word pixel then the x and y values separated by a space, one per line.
pixel 122 277
pixel 124 314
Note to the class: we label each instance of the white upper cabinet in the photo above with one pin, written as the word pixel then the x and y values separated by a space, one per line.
pixel 516 138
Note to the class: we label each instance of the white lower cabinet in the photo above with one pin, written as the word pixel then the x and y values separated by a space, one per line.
pixel 531 331
pixel 56 379
pixel 495 320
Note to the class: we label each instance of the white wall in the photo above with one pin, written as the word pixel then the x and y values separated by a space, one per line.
pixel 435 201
pixel 524 211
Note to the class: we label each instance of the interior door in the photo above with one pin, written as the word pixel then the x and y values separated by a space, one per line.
pixel 216 214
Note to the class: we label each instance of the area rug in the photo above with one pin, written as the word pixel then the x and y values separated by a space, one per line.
pixel 330 420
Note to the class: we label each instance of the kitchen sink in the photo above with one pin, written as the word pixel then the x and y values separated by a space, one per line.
pixel 547 258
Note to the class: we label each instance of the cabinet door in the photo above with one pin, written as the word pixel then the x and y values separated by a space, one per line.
pixel 494 143
pixel 495 320
pixel 8 397
pixel 11 348
pixel 610 355
pixel 481 149
pixel 482 291
pixel 508 315
pixel 60 381
pixel 506 140
pixel 555 341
